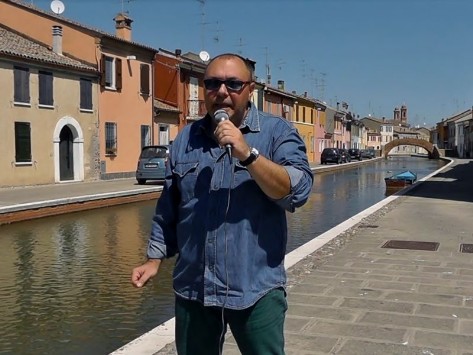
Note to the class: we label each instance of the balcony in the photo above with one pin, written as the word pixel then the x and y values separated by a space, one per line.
pixel 195 109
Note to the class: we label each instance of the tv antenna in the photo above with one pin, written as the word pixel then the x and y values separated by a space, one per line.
pixel 202 22
pixel 267 66
pixel 240 45
pixel 123 6
pixel 57 7
pixel 321 86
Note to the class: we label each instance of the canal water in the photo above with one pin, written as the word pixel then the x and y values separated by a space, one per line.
pixel 64 280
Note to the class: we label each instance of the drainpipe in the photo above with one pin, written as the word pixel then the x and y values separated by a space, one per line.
pixel 152 97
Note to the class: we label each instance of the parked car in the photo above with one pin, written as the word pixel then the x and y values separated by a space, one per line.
pixel 367 154
pixel 355 154
pixel 345 155
pixel 152 163
pixel 330 155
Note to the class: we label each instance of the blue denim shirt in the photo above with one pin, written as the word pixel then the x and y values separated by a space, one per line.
pixel 226 231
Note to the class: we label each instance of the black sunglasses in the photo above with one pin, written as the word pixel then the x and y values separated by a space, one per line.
pixel 230 84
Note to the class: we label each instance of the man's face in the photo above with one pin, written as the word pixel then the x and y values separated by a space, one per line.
pixel 233 101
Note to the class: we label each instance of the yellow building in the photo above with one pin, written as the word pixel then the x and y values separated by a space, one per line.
pixel 49 125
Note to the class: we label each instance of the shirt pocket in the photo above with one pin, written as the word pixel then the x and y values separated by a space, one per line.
pixel 241 175
pixel 186 176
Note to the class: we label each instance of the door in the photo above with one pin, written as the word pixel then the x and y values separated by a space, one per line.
pixel 163 134
pixel 66 155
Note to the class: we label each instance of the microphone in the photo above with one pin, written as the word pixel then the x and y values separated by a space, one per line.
pixel 219 116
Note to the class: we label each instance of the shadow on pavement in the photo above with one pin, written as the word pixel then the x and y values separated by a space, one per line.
pixel 455 184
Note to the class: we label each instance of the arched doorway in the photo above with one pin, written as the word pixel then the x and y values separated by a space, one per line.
pixel 68 143
pixel 66 154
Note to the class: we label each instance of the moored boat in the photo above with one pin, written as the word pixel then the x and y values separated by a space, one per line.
pixel 401 180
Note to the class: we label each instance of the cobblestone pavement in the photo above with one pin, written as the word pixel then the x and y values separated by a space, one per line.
pixel 354 297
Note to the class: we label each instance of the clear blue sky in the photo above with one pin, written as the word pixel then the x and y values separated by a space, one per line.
pixel 373 54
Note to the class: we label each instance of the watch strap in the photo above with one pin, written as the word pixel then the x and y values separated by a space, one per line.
pixel 253 155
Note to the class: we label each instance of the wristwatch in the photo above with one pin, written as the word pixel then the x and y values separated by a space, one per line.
pixel 254 154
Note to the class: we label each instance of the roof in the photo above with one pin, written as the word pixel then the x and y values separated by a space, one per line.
pixel 455 117
pixel 280 92
pixel 77 24
pixel 162 106
pixel 16 45
pixel 464 119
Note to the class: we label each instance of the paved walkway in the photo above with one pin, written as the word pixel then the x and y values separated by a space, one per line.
pixel 354 297
pixel 350 296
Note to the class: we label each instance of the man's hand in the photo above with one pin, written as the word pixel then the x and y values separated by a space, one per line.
pixel 141 274
pixel 227 133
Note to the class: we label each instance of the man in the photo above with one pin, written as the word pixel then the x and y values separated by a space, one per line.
pixel 225 217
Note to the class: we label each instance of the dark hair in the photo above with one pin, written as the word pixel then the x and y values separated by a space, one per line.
pixel 250 65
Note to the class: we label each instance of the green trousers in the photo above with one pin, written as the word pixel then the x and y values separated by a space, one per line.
pixel 258 330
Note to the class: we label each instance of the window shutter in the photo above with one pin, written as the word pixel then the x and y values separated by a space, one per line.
pixel 118 73
pixel 144 79
pixel 86 94
pixel 17 85
pixel 21 84
pixel 46 88
pixel 22 142
pixel 42 89
pixel 102 71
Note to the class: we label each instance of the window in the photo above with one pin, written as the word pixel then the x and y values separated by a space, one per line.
pixel 21 77
pixel 145 135
pixel 144 82
pixel 111 75
pixel 22 142
pixel 86 94
pixel 46 88
pixel 110 138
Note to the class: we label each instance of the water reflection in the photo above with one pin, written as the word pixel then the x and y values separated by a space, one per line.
pixel 64 280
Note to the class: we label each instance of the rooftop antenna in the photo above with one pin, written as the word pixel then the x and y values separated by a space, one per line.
pixel 321 86
pixel 202 22
pixel 240 46
pixel 57 7
pixel 123 6
pixel 203 54
pixel 217 35
pixel 268 69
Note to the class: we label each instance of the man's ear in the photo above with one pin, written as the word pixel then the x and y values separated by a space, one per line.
pixel 252 89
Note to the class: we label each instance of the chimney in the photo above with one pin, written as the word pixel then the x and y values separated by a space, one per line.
pixel 57 39
pixel 123 26
pixel 281 84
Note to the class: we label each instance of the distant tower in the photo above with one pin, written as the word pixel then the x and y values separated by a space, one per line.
pixel 397 114
pixel 404 114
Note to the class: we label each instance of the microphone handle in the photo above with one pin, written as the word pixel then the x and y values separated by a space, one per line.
pixel 228 148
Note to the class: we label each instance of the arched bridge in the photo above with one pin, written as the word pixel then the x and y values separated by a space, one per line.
pixel 429 147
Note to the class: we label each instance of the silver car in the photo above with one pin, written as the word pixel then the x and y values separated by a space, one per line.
pixel 152 163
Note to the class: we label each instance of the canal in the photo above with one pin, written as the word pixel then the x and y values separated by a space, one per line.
pixel 64 280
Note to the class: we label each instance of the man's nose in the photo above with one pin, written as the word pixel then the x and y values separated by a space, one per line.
pixel 222 90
